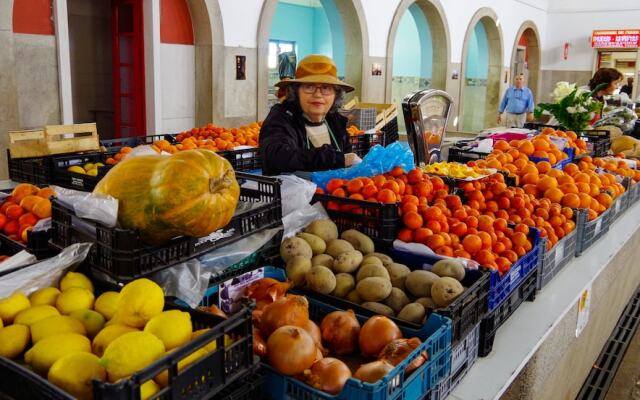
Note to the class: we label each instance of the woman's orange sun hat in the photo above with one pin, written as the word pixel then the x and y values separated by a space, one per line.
pixel 317 68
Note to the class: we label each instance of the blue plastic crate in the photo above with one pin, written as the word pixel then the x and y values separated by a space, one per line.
pixel 560 164
pixel 394 386
pixel 501 287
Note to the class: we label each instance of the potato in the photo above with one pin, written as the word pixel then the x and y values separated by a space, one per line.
pixel 322 259
pixel 418 282
pixel 451 268
pixel 396 300
pixel 374 289
pixel 320 279
pixel 297 268
pixel 338 246
pixel 369 270
pixel 294 246
pixel 344 285
pixel 412 312
pixel 427 303
pixel 348 261
pixel 371 260
pixel 359 240
pixel 445 290
pixel 318 246
pixel 386 260
pixel 379 308
pixel 354 297
pixel 398 274
pixel 325 229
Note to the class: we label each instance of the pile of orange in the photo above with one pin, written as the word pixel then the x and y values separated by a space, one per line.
pixel 218 138
pixel 118 156
pixel 615 167
pixel 23 209
pixel 392 187
pixel 578 145
pixel 513 156
pixel 353 130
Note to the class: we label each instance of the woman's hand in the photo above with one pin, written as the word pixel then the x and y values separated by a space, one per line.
pixel 351 159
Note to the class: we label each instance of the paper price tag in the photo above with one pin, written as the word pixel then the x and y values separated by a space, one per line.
pixel 584 304
pixel 598 226
pixel 514 274
pixel 42 225
pixel 232 291
pixel 559 253
pixel 617 207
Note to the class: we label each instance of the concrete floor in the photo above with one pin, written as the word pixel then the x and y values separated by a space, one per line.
pixel 626 383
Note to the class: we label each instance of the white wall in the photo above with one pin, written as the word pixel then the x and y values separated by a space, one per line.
pixel 573 22
pixel 178 87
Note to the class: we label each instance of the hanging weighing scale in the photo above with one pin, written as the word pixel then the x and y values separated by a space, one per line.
pixel 426 113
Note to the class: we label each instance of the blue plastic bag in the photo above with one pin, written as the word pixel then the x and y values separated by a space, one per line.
pixel 378 161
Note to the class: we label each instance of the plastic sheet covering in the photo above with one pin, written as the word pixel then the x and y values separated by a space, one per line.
pixel 421 249
pixel 297 220
pixel 298 193
pixel 17 260
pixel 185 281
pixel 45 273
pixel 91 206
pixel 378 161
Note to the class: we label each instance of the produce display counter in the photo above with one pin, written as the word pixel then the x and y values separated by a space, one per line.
pixel 537 353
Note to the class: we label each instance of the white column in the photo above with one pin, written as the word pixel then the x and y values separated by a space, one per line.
pixel 61 26
pixel 152 65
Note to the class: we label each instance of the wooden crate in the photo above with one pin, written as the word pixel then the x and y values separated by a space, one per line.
pixel 384 112
pixel 54 139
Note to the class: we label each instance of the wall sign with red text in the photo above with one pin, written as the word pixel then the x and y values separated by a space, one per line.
pixel 616 39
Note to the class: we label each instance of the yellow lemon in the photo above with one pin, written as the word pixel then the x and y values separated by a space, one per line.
pixel 12 305
pixel 55 325
pixel 44 296
pixel 48 350
pixel 148 389
pixel 74 298
pixel 107 303
pixel 108 335
pixel 140 300
pixel 162 378
pixel 77 169
pixel 74 372
pixel 130 353
pixel 92 172
pixel 93 321
pixel 75 279
pixel 98 165
pixel 34 314
pixel 172 327
pixel 89 166
pixel 211 346
pixel 13 340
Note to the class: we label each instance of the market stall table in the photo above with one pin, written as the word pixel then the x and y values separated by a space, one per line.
pixel 536 354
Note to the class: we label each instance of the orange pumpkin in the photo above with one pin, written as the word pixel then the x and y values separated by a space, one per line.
pixel 191 193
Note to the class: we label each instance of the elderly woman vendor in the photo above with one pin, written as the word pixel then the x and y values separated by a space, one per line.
pixel 305 132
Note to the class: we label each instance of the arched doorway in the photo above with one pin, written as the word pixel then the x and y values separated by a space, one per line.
pixel 331 27
pixel 481 72
pixel 526 56
pixel 417 49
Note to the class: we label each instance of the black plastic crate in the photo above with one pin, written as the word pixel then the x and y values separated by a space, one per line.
pixel 34 170
pixel 38 244
pixel 243 159
pixel 202 379
pixel 361 144
pixel 462 153
pixel 495 319
pixel 598 141
pixel 463 356
pixel 122 255
pixel 590 232
pixel 379 221
pixel 390 132
pixel 114 145
pixel 248 388
pixel 555 259
pixel 74 180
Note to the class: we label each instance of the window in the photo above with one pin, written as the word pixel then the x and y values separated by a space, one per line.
pixel 276 47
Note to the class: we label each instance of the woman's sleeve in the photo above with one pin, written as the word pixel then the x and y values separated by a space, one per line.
pixel 280 152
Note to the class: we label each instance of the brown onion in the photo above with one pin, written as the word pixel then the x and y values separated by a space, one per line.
pixel 289 310
pixel 328 375
pixel 266 290
pixel 213 309
pixel 313 330
pixel 259 344
pixel 291 350
pixel 397 350
pixel 340 330
pixel 373 371
pixel 376 333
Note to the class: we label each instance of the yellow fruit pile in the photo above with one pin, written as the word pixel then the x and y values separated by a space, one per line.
pixel 454 170
pixel 90 169
pixel 70 337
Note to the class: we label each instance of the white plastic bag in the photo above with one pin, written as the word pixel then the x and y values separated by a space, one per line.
pixel 421 249
pixel 298 193
pixel 298 219
pixel 46 273
pixel 18 260
pixel 185 281
pixel 92 206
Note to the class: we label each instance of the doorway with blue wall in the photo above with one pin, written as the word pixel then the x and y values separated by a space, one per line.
pixel 304 27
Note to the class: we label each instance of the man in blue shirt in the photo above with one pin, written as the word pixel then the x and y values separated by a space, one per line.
pixel 517 104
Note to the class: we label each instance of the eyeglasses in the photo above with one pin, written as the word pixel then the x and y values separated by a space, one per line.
pixel 326 90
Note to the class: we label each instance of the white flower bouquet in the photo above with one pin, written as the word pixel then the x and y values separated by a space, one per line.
pixel 573 107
